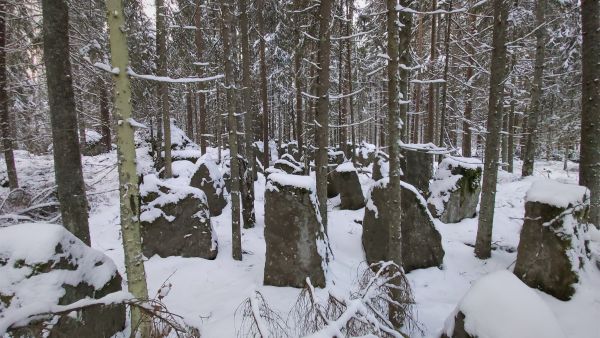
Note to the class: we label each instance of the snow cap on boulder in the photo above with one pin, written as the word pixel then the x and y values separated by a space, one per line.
pixel 499 305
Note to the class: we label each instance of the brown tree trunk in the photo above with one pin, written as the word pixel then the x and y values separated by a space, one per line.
pixel 483 243
pixel 589 170
pixel 63 118
pixel 161 65
pixel 199 41
pixel 5 128
pixel 536 88
pixel 322 112
pixel 429 135
pixel 236 232
pixel 446 66
pixel 298 54
pixel 467 141
pixel 105 115
pixel 190 113
pixel 250 167
pixel 263 80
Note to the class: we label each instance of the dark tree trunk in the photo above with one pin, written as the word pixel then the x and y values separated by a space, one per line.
pixel 161 65
pixel 263 80
pixel 63 117
pixel 7 143
pixel 104 115
pixel 322 112
pixel 430 132
pixel 236 232
pixel 589 170
pixel 199 41
pixel 536 89
pixel 483 244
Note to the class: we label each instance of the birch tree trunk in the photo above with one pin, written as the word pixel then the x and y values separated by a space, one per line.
pixel 483 243
pixel 589 170
pixel 7 143
pixel 63 118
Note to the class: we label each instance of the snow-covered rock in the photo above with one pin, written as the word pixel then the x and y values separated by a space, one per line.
pixel 288 164
pixel 499 305
pixel 421 241
pixel 175 220
pixel 44 265
pixel 417 167
pixel 296 243
pixel 455 189
pixel 208 178
pixel 553 246
pixel 344 181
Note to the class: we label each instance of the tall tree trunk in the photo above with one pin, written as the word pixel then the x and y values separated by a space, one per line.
pixel 467 141
pixel 263 80
pixel 446 66
pixel 236 231
pixel 7 143
pixel 199 41
pixel 405 60
pixel 63 117
pixel 350 107
pixel 429 135
pixel 394 207
pixel 104 115
pixel 128 180
pixel 189 116
pixel 161 65
pixel 483 243
pixel 511 135
pixel 250 167
pixel 298 54
pixel 322 112
pixel 536 88
pixel 589 170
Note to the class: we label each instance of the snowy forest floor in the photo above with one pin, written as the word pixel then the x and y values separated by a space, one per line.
pixel 207 293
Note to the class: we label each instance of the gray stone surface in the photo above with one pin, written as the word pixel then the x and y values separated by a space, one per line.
pixel 208 178
pixel 295 242
pixel 417 167
pixel 182 228
pixel 421 242
pixel 548 257
pixel 345 180
pixel 455 189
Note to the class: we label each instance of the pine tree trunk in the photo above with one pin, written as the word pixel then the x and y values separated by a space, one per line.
pixel 63 118
pixel 5 128
pixel 189 114
pixel 467 140
pixel 431 118
pixel 322 112
pixel 445 84
pixel 483 244
pixel 236 231
pixel 405 59
pixel 199 41
pixel 536 88
pixel 263 80
pixel 298 54
pixel 394 208
pixel 511 136
pixel 104 115
pixel 589 170
pixel 128 179
pixel 250 167
pixel 161 65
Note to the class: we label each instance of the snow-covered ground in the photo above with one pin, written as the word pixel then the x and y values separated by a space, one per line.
pixel 207 293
